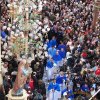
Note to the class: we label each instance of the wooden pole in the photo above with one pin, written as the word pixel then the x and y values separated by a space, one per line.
pixel 96 13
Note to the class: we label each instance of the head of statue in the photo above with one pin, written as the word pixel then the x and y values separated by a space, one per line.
pixel 28 63
pixel 22 62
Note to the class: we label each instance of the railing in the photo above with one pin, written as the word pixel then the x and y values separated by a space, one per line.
pixel 95 94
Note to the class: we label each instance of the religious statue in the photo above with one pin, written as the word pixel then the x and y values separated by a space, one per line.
pixel 23 72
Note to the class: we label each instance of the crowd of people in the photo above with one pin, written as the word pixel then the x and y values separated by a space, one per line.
pixel 69 53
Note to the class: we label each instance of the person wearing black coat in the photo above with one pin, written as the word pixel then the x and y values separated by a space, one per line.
pixel 41 88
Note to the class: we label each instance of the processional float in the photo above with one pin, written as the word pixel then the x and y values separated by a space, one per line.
pixel 22 24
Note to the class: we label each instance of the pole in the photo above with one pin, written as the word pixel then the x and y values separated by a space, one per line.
pixel 27 25
pixel 95 94
pixel 96 13
pixel 11 11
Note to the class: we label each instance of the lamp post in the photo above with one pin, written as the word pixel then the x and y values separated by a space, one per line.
pixel 96 12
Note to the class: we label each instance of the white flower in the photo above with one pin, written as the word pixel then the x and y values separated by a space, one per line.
pixel 48 29
pixel 42 57
pixel 16 35
pixel 35 55
pixel 23 57
pixel 46 54
pixel 6 57
pixel 45 2
pixel 29 60
pixel 8 29
pixel 39 54
pixel 59 0
pixel 4 27
pixel 34 6
pixel 40 47
pixel 3 52
pixel 46 26
pixel 15 0
pixel 15 20
pixel 9 5
pixel 21 33
pixel 45 47
pixel 43 30
pixel 26 9
pixel 15 6
pixel 8 51
pixel 40 7
pixel 31 35
pixel 36 37
pixel 14 3
pixel 17 31
pixel 39 35
pixel 20 59
pixel 13 27
pixel 10 47
pixel 9 25
pixel 12 32
pixel 39 23
pixel 10 54
pixel 5 44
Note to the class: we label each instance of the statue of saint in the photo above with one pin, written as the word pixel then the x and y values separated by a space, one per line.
pixel 23 72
